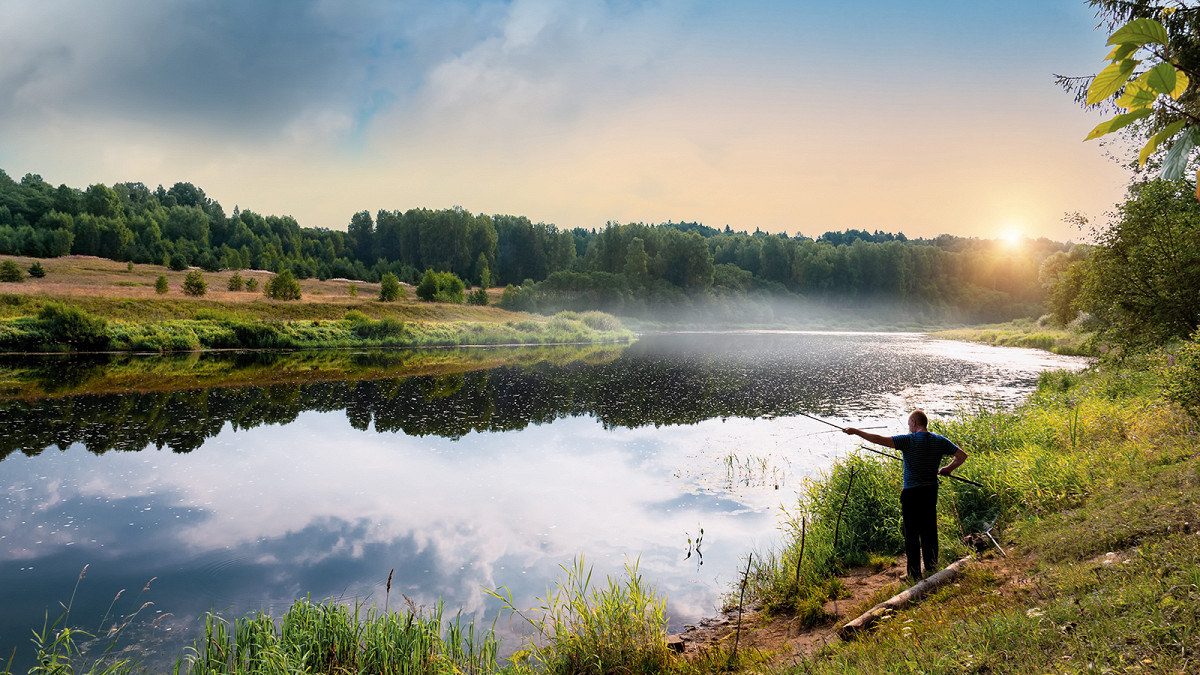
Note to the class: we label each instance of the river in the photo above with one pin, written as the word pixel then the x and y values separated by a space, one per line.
pixel 237 483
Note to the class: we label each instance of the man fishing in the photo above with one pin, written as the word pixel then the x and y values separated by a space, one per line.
pixel 922 454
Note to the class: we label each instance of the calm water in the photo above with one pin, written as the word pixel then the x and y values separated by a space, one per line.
pixel 244 498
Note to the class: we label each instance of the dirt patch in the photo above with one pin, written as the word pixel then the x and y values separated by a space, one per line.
pixel 785 637
pixel 785 640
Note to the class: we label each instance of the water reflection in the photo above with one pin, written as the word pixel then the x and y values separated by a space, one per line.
pixel 461 480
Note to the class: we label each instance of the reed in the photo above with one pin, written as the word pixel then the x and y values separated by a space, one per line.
pixel 580 629
pixel 62 647
pixel 334 638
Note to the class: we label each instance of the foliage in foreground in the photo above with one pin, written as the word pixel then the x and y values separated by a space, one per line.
pixel 1094 480
pixel 584 629
pixel 331 638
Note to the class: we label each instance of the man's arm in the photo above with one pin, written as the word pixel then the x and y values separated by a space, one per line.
pixel 959 458
pixel 874 438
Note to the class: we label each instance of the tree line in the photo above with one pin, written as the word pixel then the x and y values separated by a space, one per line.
pixel 633 268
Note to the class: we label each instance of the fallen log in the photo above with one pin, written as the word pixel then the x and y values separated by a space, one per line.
pixel 852 628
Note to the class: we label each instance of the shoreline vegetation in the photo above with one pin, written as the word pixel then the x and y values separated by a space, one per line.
pixel 95 305
pixel 1026 333
pixel 1091 487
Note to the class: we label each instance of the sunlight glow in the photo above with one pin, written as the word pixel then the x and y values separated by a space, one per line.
pixel 1012 237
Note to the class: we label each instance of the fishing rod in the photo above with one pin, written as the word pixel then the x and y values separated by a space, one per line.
pixel 879 452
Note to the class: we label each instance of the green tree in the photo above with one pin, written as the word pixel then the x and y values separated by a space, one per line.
pixel 37 271
pixel 101 200
pixel 1144 272
pixel 252 284
pixel 236 283
pixel 636 272
pixel 282 286
pixel 428 287
pixel 11 272
pixel 160 285
pixel 1154 57
pixel 353 290
pixel 194 284
pixel 1062 275
pixel 389 288
pixel 441 287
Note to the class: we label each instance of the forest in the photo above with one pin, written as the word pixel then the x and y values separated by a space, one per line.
pixel 633 269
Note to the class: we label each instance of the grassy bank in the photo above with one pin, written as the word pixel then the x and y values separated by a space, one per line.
pixel 67 327
pixel 91 304
pixel 1095 488
pixel 1025 333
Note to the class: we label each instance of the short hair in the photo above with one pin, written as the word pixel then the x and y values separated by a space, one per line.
pixel 919 417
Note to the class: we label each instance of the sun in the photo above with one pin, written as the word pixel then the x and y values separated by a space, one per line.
pixel 1012 237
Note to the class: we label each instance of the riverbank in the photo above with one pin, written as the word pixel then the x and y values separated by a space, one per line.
pixel 1096 503
pixel 1025 333
pixel 93 305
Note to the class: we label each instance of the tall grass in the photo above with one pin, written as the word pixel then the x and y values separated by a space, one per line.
pixel 60 328
pixel 333 638
pixel 62 647
pixel 616 628
pixel 1049 455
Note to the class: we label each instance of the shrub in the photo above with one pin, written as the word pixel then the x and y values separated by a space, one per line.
pixel 160 285
pixel 257 334
pixel 353 290
pixel 517 299
pixel 194 284
pixel 1181 378
pixel 9 271
pixel 37 271
pixel 478 296
pixel 601 321
pixel 252 284
pixel 73 326
pixel 282 286
pixel 236 283
pixel 389 288
pixel 378 330
pixel 441 287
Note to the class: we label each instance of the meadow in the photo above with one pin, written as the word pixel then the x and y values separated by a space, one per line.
pixel 92 304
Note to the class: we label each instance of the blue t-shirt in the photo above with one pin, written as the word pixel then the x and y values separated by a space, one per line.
pixel 922 452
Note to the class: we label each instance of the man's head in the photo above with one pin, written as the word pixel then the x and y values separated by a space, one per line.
pixel 917 421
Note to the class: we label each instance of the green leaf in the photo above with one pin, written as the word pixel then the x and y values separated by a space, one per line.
pixel 1181 84
pixel 1157 139
pixel 1137 95
pixel 1118 122
pixel 1161 78
pixel 1177 157
pixel 1139 32
pixel 1110 80
pixel 1122 52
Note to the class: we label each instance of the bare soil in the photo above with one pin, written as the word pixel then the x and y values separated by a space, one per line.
pixel 783 640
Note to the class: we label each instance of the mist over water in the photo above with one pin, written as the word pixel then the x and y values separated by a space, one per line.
pixel 245 498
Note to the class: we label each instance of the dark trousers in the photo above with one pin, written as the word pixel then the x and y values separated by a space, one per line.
pixel 918 510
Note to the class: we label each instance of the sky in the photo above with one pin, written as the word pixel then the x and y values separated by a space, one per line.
pixel 786 116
